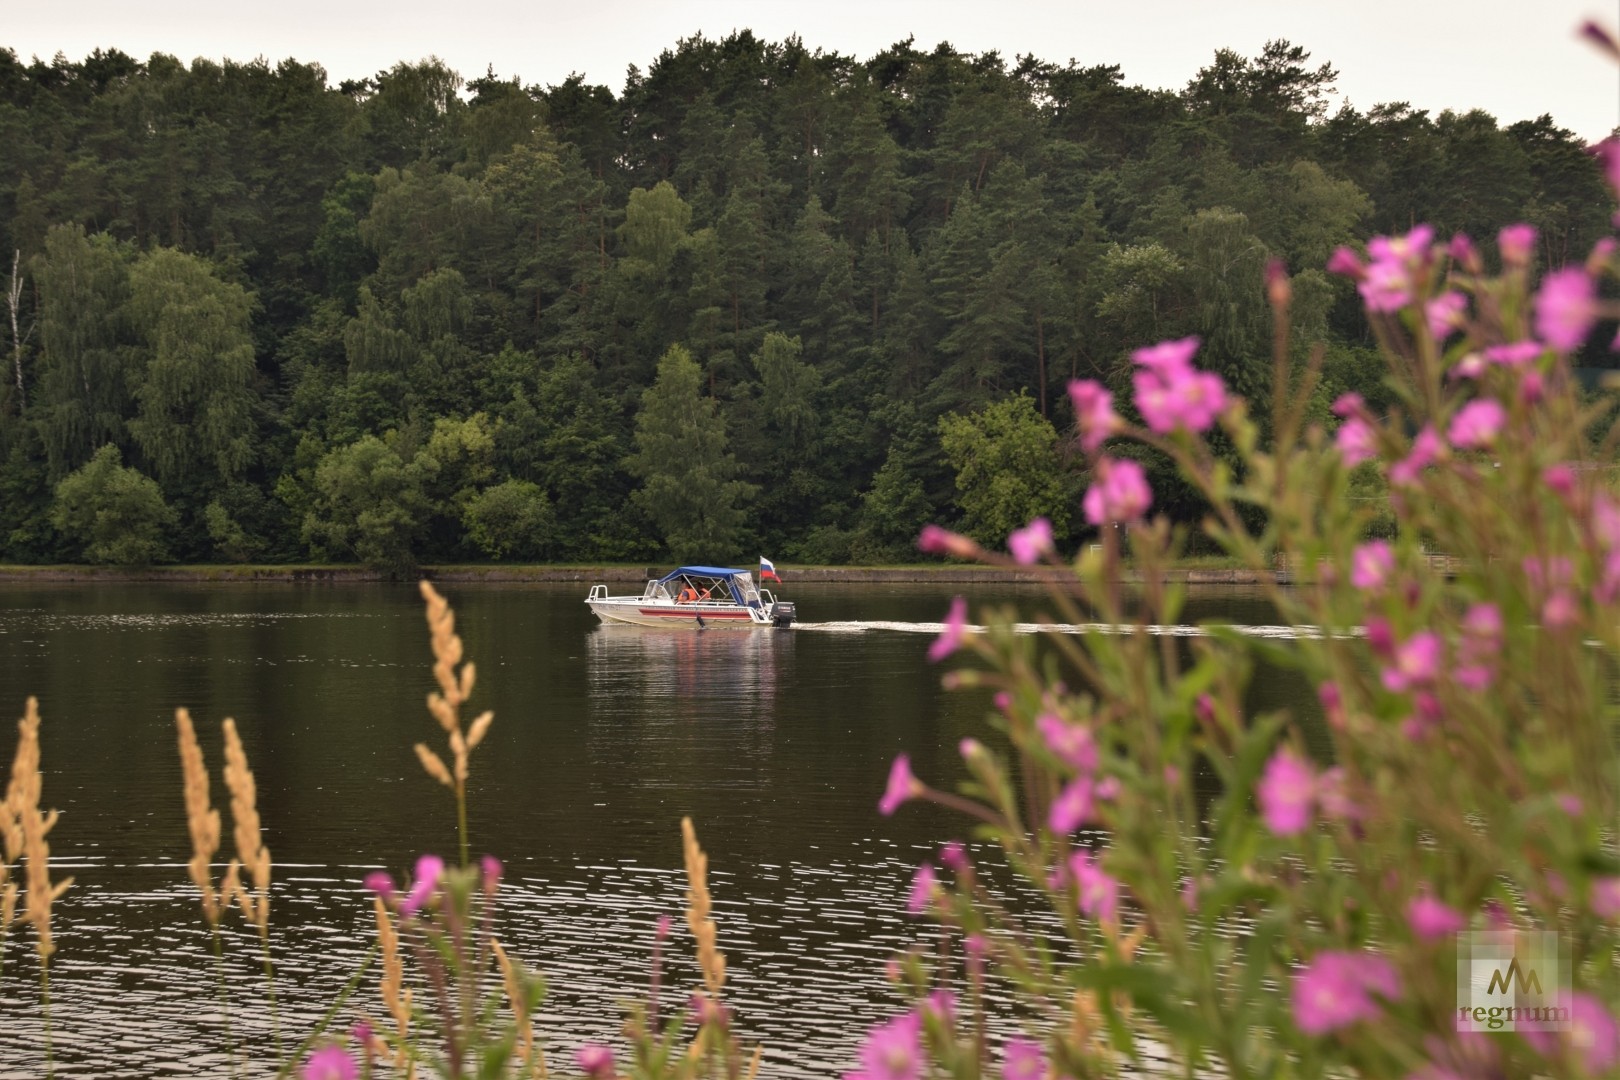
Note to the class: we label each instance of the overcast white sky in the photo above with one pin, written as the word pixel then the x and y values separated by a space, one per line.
pixel 1516 59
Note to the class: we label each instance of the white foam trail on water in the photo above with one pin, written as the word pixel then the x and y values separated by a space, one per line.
pixel 1284 633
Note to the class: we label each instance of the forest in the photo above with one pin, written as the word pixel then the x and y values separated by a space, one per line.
pixel 766 299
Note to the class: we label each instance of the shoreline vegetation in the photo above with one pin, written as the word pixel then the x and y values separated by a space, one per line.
pixel 1196 571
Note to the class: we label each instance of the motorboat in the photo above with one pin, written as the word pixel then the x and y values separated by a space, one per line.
pixel 699 597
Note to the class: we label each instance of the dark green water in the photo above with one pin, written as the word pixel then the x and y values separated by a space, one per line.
pixel 776 743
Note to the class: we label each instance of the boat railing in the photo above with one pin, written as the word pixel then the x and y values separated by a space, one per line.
pixel 598 592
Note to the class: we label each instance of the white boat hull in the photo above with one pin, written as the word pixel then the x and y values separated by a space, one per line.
pixel 710 616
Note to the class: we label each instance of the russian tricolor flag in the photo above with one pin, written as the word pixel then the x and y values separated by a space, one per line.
pixel 767 570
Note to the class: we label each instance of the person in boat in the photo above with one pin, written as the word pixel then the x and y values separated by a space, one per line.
pixel 688 595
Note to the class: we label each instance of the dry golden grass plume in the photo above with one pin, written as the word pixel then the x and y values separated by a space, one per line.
pixel 202 820
pixel 395 995
pixel 698 906
pixel 251 854
pixel 26 827
pixel 455 687
pixel 529 1054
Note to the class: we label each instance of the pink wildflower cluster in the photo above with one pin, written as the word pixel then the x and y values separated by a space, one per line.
pixel 330 1063
pixel 1478 647
pixel 1408 665
pixel 1427 448
pixel 1392 276
pixel 1171 393
pixel 1120 493
pixel 1432 919
pixel 1291 792
pixel 1592 1035
pixel 595 1061
pixel 1031 542
pixel 1605 524
pixel 1356 441
pixel 1372 565
pixel 1566 308
pixel 1094 413
pixel 893 1050
pixel 1476 425
pixel 1338 989
pixel 1074 745
pixel 950 638
pixel 1098 892
pixel 424 886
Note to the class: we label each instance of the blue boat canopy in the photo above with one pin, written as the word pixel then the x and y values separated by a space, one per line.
pixel 701 571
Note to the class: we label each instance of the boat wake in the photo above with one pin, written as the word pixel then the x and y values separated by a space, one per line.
pixel 1284 633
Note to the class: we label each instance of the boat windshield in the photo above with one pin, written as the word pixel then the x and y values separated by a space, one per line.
pixel 713 584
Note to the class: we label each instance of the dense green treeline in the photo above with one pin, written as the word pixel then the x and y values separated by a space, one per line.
pixel 766 299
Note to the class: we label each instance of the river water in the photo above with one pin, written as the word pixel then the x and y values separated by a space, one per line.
pixel 777 743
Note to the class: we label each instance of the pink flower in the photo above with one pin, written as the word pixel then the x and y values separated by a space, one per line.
pixel 1477 424
pixel 1417 662
pixel 330 1063
pixel 1171 394
pixel 1608 151
pixel 1349 404
pixel 1430 919
pixel 950 639
pixel 1332 799
pixel 1560 479
pixel 1356 442
pixel 489 870
pixel 1372 565
pixel 1072 808
pixel 1022 1059
pixel 429 868
pixel 1592 1034
pixel 595 1060
pixel 1121 492
pixel 1515 353
pixel 1606 898
pixel 1445 314
pixel 892 1051
pixel 1335 990
pixel 939 1005
pixel 903 786
pixel 1168 357
pixel 1094 410
pixel 937 541
pixel 1287 792
pixel 1426 449
pixel 1561 609
pixel 953 856
pixel 1606 520
pixel 1463 253
pixel 1072 744
pixel 1390 280
pixel 382 884
pixel 1471 366
pixel 1484 623
pixel 1566 308
pixel 923 886
pixel 1031 542
pixel 1517 243
pixel 1099 893
pixel 1345 263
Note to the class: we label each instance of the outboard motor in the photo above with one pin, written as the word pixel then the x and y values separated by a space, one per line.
pixel 782 613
